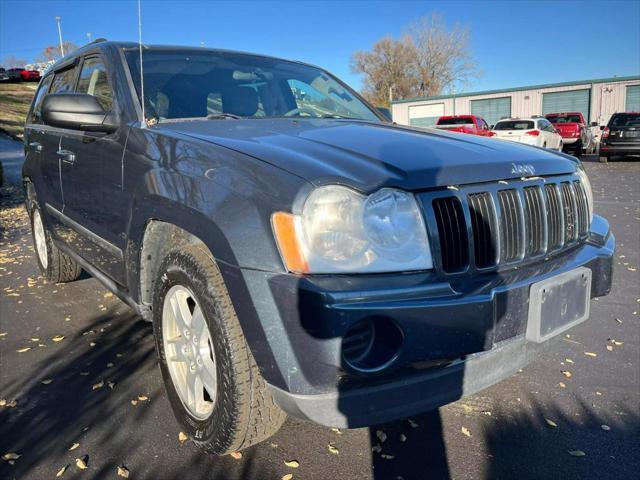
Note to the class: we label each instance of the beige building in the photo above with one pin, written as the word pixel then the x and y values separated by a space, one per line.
pixel 597 99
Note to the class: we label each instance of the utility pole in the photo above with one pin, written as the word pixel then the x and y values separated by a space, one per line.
pixel 60 36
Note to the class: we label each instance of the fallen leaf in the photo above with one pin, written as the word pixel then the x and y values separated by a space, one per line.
pixel 108 295
pixel 92 344
pixel 4 334
pixel 182 437
pixel 81 463
pixel 551 423
pixel 58 338
pixel 403 437
pixel 3 402
pixel 381 436
pixel 123 472
pixel 111 385
pixel 134 402
pixel 566 373
pixel 22 350
pixel 143 398
pixel 562 385
pixel 619 321
pixel 466 431
pixel 577 453
pixel 590 354
pixel 109 365
pixel 605 427
pixel 47 381
pixel 292 464
pixel 598 393
pixel 332 448
pixel 62 470
pixel 97 386
pixel 336 430
pixel 11 456
pixel 35 339
pixel 74 446
pixel 84 374
pixel 387 456
pixel 288 476
pixel 487 413
pixel 610 348
pixel 412 423
pixel 376 448
pixel 568 360
pixel 617 343
pixel 236 455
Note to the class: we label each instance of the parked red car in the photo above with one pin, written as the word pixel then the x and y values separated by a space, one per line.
pixel 470 124
pixel 574 131
pixel 26 75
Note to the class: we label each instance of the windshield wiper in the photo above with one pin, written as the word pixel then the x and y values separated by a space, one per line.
pixel 223 115
pixel 337 115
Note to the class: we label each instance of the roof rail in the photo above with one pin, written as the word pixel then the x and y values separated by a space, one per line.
pixel 98 40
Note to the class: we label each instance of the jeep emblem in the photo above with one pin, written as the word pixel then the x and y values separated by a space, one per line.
pixel 523 169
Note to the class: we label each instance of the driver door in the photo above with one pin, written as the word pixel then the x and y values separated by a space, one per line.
pixel 95 205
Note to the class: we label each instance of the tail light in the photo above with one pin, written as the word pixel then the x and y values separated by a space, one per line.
pixel 533 133
pixel 605 132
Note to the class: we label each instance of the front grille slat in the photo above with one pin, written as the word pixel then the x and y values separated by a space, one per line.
pixel 452 234
pixel 485 229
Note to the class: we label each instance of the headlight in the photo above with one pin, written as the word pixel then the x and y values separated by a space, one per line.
pixel 584 179
pixel 342 231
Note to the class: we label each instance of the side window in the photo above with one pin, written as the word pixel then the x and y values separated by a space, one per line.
pixel 43 89
pixel 93 80
pixel 63 81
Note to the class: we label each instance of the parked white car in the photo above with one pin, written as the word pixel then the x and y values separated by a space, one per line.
pixel 536 131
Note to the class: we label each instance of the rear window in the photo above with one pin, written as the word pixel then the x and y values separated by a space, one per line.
pixel 564 118
pixel 625 120
pixel 514 125
pixel 456 121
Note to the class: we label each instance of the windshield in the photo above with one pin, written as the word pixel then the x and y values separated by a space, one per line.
pixel 514 125
pixel 564 118
pixel 192 84
pixel 625 120
pixel 456 121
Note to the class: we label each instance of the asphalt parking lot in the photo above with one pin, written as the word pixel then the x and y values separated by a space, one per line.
pixel 78 367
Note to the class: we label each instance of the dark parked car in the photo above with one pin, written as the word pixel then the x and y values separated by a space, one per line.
pixel 295 252
pixel 621 136
pixel 4 75
pixel 12 75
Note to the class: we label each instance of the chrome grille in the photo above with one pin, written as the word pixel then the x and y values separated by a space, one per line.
pixel 484 227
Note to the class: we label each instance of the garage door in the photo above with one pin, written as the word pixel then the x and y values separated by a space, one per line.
pixel 491 109
pixel 425 115
pixel 572 101
pixel 632 103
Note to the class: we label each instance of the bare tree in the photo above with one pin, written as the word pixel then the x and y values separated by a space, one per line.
pixel 11 61
pixel 388 70
pixel 442 58
pixel 428 60
pixel 52 52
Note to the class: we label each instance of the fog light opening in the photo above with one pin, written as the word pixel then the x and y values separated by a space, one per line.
pixel 371 345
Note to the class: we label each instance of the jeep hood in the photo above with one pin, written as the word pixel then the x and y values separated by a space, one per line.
pixel 370 155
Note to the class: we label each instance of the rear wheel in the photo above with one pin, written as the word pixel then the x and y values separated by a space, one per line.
pixel 55 265
pixel 212 381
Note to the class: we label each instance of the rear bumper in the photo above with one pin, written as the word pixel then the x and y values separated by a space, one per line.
pixel 620 149
pixel 477 324
pixel 569 140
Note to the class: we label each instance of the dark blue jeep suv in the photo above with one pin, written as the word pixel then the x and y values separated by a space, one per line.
pixel 295 251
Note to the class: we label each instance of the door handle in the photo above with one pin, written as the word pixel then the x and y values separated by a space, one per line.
pixel 67 156
pixel 36 146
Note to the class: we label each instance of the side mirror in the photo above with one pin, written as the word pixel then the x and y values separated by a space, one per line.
pixel 77 111
pixel 385 112
pixel 594 124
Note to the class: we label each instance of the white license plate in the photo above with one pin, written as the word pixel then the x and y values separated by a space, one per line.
pixel 558 303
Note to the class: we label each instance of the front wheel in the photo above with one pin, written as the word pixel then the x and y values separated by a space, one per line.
pixel 214 386
pixel 577 149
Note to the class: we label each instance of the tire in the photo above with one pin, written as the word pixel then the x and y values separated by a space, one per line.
pixel 603 159
pixel 242 410
pixel 577 149
pixel 55 265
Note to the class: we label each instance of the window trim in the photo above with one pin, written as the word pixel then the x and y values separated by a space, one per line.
pixel 33 104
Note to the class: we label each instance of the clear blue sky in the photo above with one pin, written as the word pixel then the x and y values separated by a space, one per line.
pixel 515 43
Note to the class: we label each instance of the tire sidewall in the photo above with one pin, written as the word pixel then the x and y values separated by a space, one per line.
pixel 47 240
pixel 217 430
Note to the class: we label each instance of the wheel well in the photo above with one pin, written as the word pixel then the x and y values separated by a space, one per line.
pixel 159 239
